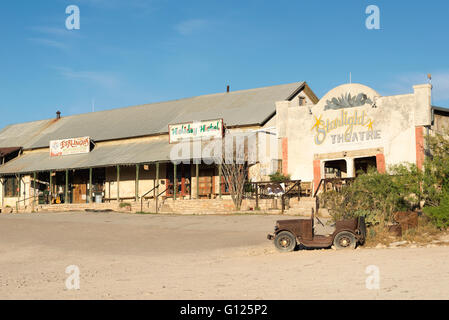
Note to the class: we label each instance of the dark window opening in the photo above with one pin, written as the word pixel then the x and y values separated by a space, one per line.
pixel 335 169
pixel 11 187
pixel 362 165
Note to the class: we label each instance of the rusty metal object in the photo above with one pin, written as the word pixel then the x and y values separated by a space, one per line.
pixel 395 230
pixel 407 220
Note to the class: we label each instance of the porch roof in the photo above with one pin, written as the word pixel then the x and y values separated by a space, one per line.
pixel 100 156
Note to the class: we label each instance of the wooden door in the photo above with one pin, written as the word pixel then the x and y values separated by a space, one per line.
pixel 79 193
pixel 206 182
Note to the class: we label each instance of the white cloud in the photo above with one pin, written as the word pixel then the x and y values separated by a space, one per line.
pixel 188 27
pixel 49 43
pixel 404 84
pixel 106 80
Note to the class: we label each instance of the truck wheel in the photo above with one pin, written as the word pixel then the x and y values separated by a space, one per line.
pixel 345 240
pixel 285 241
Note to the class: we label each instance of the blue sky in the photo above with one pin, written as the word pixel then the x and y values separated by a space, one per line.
pixel 135 51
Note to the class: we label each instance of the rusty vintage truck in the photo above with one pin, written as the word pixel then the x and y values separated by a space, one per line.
pixel 288 234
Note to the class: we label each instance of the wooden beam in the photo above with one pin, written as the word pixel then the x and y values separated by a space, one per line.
pixel 137 182
pixel 118 183
pixel 34 188
pixel 19 178
pixel 175 181
pixel 90 184
pixel 156 190
pixel 197 173
pixel 219 180
pixel 66 191
pixel 51 188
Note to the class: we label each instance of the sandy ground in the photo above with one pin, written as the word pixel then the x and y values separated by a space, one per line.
pixel 126 256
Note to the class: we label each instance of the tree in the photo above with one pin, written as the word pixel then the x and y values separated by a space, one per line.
pixel 237 148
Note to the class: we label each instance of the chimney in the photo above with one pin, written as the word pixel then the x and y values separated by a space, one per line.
pixel 227 89
pixel 58 115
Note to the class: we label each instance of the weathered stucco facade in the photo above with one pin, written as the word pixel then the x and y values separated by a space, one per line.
pixel 350 127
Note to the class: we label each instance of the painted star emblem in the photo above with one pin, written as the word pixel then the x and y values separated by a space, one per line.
pixel 370 124
pixel 317 123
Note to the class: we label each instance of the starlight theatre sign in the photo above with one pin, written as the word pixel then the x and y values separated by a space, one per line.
pixel 195 130
pixel 69 146
pixel 357 125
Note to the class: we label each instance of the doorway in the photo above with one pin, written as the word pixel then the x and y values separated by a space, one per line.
pixel 206 182
pixel 362 165
pixel 335 169
pixel 183 180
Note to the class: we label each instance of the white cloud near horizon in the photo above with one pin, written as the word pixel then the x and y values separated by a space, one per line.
pixel 188 27
pixel 49 43
pixel 105 80
pixel 404 83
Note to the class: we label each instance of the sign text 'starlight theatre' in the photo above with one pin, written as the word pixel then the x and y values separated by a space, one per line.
pixel 195 130
pixel 348 121
pixel 69 146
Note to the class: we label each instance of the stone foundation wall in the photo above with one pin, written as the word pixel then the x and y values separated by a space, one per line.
pixel 170 206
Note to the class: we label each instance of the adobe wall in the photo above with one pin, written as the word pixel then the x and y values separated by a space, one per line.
pixel 380 126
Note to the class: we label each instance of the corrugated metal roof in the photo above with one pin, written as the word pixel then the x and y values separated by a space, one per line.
pixel 101 156
pixel 245 107
pixel 22 134
pixel 119 154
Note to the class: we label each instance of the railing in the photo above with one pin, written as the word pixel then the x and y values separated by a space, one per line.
pixel 296 184
pixel 143 197
pixel 335 184
pixel 261 190
pixel 23 200
pixel 156 197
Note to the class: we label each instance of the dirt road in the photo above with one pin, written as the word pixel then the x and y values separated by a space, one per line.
pixel 127 256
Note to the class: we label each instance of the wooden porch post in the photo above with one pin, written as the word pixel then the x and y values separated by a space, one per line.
pixel 175 181
pixel 66 193
pixel 257 195
pixel 118 183
pixel 34 188
pixel 137 182
pixel 156 193
pixel 197 173
pixel 51 189
pixel 219 180
pixel 19 178
pixel 90 184
pixel 3 181
pixel 156 183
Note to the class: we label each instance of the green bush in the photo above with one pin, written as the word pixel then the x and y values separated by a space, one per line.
pixel 405 188
pixel 375 196
pixel 439 215
pixel 279 177
pixel 125 204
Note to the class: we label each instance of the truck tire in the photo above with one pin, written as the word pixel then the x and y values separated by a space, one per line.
pixel 285 241
pixel 345 240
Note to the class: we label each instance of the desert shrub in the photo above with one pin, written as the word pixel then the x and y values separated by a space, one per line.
pixel 124 204
pixel 439 215
pixel 375 196
pixel 405 188
pixel 279 177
